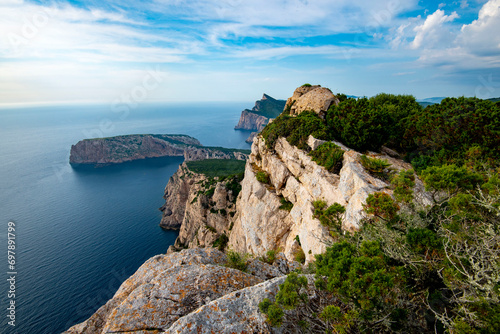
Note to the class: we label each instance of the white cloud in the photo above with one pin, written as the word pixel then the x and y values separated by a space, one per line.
pixel 482 36
pixel 432 31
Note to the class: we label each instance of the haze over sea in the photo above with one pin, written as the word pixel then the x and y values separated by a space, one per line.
pixel 81 233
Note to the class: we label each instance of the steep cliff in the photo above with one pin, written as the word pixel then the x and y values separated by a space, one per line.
pixel 200 200
pixel 104 151
pixel 293 176
pixel 257 118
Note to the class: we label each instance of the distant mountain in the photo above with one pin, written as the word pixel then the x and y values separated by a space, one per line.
pixel 495 99
pixel 257 118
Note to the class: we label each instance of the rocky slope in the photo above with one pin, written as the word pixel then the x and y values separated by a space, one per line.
pixel 174 293
pixel 104 151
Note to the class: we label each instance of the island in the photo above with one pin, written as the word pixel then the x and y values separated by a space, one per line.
pixel 114 150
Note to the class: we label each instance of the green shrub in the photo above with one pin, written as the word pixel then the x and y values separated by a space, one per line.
pixel 330 217
pixel 270 256
pixel 300 256
pixel 262 177
pixel 306 85
pixel 236 261
pixel 295 129
pixel 285 204
pixel 329 156
pixel 404 182
pixel 381 205
pixel 375 166
pixel 217 167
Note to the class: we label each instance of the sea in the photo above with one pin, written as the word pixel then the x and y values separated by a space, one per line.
pixel 77 234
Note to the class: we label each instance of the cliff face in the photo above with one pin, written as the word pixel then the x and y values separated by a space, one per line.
pixel 257 118
pixel 260 223
pixel 201 207
pixel 103 151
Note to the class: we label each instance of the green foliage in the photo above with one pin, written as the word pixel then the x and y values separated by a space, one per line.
pixel 375 166
pixel 446 131
pixel 381 205
pixel 221 242
pixel 275 315
pixel 367 124
pixel 306 85
pixel 404 182
pixel 262 177
pixel 236 261
pixel 361 278
pixel 423 240
pixel 295 129
pixel 329 156
pixel 269 257
pixel 285 204
pixel 449 178
pixel 217 167
pixel 331 217
pixel 290 295
pixel 300 256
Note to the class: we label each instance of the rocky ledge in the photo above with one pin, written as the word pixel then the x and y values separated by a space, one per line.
pixel 192 291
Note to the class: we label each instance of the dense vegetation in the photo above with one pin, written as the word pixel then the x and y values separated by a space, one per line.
pixel 217 167
pixel 410 269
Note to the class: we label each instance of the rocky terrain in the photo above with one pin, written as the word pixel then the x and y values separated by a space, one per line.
pixel 190 290
pixel 119 149
pixel 257 118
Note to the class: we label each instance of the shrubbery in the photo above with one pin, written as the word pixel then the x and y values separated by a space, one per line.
pixel 329 156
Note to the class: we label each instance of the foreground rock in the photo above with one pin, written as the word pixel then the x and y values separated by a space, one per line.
pixel 168 287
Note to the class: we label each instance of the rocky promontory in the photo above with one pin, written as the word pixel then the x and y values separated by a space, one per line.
pixel 113 150
pixel 119 149
pixel 257 118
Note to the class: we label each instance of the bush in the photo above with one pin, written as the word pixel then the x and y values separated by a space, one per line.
pixel 300 256
pixel 217 167
pixel 331 217
pixel 329 156
pixel 236 261
pixel 404 183
pixel 285 204
pixel 270 256
pixel 295 129
pixel 381 205
pixel 262 177
pixel 375 166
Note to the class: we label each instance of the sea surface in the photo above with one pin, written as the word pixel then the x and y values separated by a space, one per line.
pixel 80 233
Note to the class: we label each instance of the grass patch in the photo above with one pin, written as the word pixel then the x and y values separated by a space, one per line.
pixel 217 167
pixel 236 260
pixel 285 204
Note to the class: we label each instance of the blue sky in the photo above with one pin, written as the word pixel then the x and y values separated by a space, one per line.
pixel 235 50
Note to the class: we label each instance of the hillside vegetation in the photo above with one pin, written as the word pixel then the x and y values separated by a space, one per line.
pixel 410 269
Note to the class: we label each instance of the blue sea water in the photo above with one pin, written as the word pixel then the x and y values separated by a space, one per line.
pixel 81 233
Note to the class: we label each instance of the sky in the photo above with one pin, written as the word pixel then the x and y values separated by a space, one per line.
pixel 129 51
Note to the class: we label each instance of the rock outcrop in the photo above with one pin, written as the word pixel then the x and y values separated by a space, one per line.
pixel 314 98
pixel 257 118
pixel 201 207
pixel 166 288
pixel 113 150
pixel 261 225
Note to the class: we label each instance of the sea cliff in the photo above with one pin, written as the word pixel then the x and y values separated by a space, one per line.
pixel 270 208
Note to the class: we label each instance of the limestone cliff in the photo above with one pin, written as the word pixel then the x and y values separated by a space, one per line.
pixel 202 207
pixel 261 225
pixel 314 98
pixel 104 151
pixel 258 117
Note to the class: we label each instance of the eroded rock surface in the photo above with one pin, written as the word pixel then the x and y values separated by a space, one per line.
pixel 312 98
